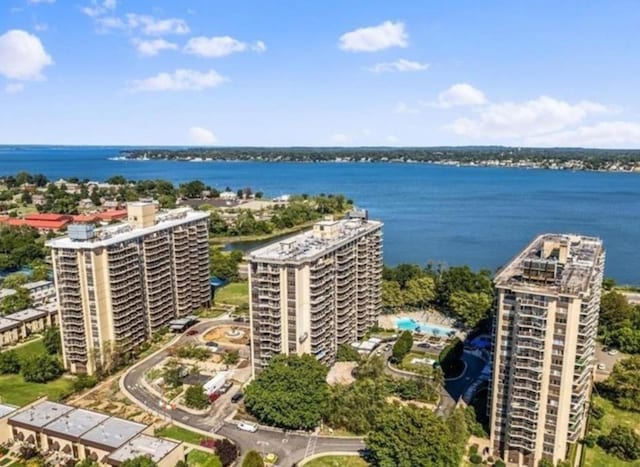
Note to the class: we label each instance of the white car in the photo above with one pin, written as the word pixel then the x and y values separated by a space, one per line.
pixel 248 426
pixel 613 352
pixel 602 366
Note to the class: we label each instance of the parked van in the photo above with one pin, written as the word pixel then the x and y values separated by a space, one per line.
pixel 248 426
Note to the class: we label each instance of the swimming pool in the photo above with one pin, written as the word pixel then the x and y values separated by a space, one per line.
pixel 410 324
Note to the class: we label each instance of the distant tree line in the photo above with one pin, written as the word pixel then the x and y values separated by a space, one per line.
pixel 591 159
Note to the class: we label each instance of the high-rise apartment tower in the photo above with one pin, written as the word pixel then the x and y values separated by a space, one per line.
pixel 118 284
pixel 316 290
pixel 544 334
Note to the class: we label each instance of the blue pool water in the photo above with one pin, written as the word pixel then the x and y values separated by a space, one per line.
pixel 410 324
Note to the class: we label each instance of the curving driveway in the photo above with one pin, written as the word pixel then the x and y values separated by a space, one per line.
pixel 290 447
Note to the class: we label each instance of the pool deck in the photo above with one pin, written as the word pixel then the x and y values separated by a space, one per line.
pixel 427 316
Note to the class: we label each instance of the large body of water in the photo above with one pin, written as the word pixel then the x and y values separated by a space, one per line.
pixel 457 215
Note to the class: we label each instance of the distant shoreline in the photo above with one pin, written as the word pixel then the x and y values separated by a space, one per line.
pixel 573 165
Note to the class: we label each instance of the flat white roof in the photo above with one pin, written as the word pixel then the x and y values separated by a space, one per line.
pixel 308 245
pixel 6 324
pixel 6 293
pixel 6 410
pixel 27 314
pixel 144 445
pixel 41 414
pixel 124 231
pixel 37 284
pixel 76 422
pixel 113 432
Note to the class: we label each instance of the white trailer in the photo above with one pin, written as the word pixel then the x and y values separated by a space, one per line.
pixel 215 383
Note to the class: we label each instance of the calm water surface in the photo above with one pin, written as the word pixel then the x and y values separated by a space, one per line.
pixel 458 215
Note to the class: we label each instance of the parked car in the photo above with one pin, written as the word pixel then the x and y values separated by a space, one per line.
pixel 225 387
pixel 248 426
pixel 240 319
pixel 214 396
pixel 192 332
pixel 424 345
pixel 613 352
pixel 237 397
pixel 212 344
pixel 602 366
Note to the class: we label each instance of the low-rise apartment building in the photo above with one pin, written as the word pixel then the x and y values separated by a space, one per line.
pixel 316 290
pixel 21 324
pixel 544 338
pixel 64 434
pixel 118 284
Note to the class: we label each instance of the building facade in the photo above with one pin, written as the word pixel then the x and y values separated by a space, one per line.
pixel 544 334
pixel 117 285
pixel 316 290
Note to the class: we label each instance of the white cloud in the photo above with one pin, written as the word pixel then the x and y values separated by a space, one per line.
pixel 179 80
pixel 400 65
pixel 201 136
pixel 220 46
pixel 460 94
pixel 340 138
pixel 41 27
pixel 157 27
pixel 97 8
pixel 14 88
pixel 107 23
pixel 150 48
pixel 22 56
pixel 374 38
pixel 616 134
pixel 402 108
pixel 526 119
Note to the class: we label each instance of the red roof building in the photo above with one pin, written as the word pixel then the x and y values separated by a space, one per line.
pixel 48 217
pixel 113 215
pixel 85 218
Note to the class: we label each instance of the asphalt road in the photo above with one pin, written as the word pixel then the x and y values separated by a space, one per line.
pixel 290 448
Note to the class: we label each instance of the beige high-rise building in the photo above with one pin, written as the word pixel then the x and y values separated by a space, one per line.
pixel 118 284
pixel 316 290
pixel 544 334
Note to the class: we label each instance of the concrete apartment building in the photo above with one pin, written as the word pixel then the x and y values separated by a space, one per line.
pixel 118 284
pixel 544 334
pixel 316 290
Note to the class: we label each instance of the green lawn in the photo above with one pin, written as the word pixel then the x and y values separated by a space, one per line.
pixel 337 461
pixel 235 293
pixel 34 347
pixel 613 416
pixel 16 391
pixel 180 434
pixel 197 458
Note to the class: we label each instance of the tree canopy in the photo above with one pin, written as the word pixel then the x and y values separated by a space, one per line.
pixel 291 392
pixel 402 346
pixel 253 459
pixel 622 442
pixel 40 368
pixel 407 436
pixel 623 385
pixel 619 322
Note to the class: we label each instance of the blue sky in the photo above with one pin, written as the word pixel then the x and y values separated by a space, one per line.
pixel 327 73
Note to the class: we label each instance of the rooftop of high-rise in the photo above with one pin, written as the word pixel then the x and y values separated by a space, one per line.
pixel 324 236
pixel 560 263
pixel 82 236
